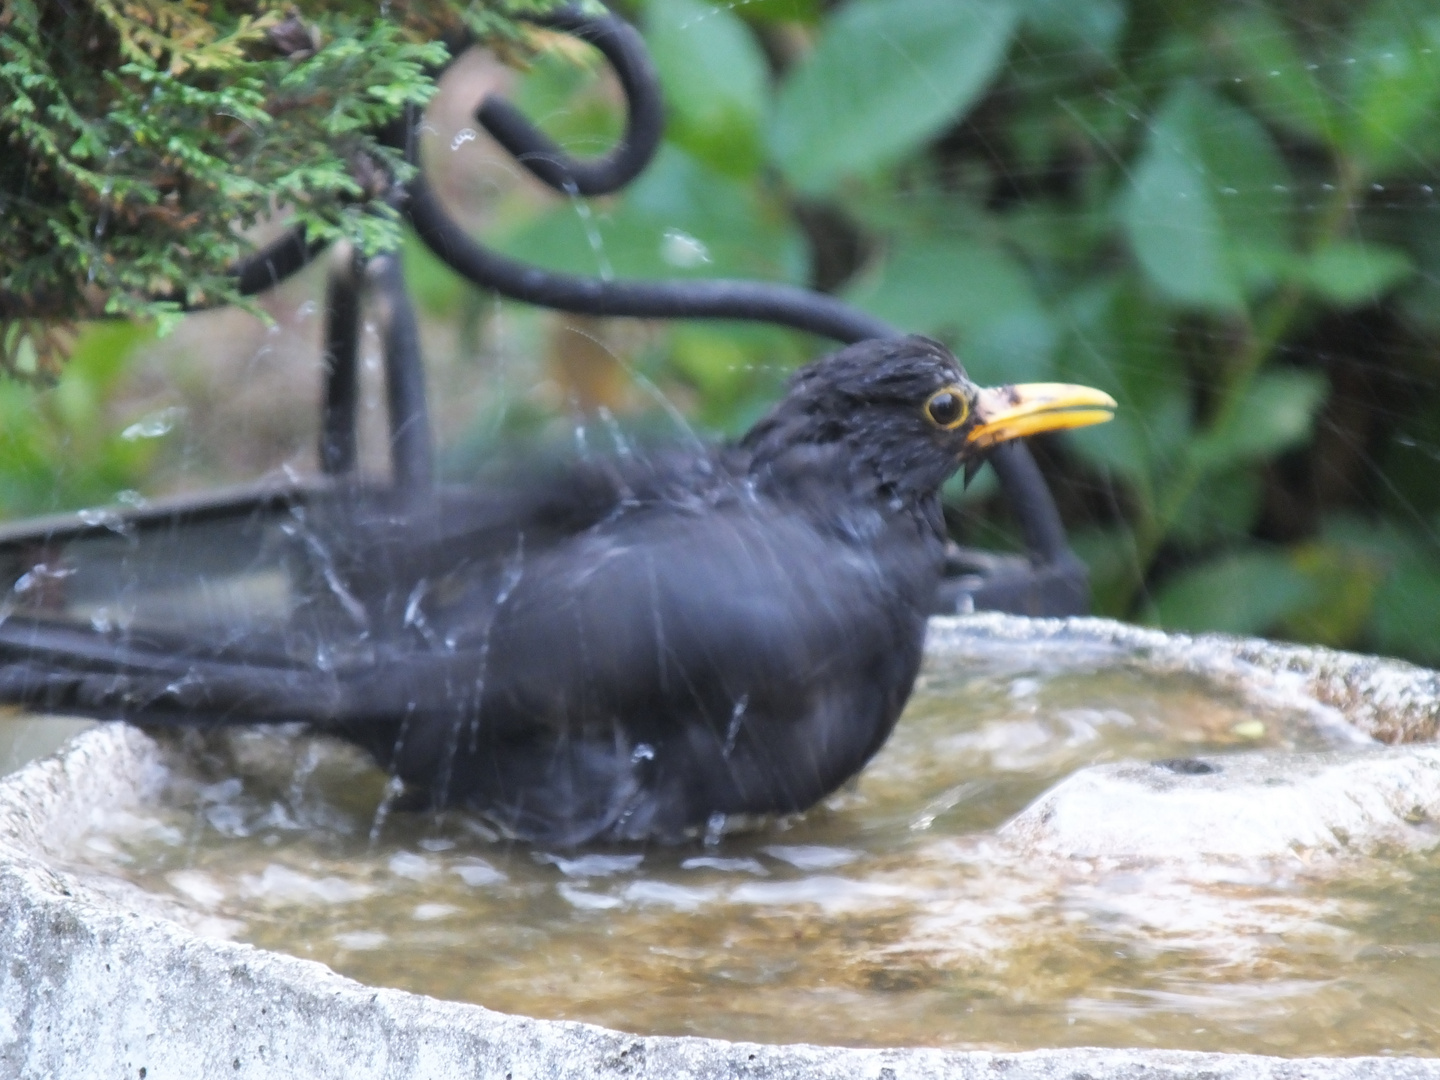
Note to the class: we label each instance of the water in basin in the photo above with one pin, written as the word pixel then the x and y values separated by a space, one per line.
pixel 892 915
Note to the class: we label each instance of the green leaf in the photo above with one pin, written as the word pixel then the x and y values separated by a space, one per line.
pixel 1109 555
pixel 1246 592
pixel 885 76
pixel 1136 445
pixel 738 368
pixel 802 11
pixel 715 82
pixel 1409 461
pixel 1349 274
pixel 59 448
pixel 1404 619
pixel 1288 89
pixel 1017 346
pixel 1345 581
pixel 1393 89
pixel 946 284
pixel 1276 413
pixel 680 219
pixel 1088 25
pixel 1207 211
pixel 1123 345
pixel 101 353
pixel 1222 507
pixel 962 289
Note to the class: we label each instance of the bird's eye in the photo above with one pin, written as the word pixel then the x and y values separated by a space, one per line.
pixel 947 408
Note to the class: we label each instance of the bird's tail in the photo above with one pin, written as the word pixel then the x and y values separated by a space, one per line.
pixel 57 667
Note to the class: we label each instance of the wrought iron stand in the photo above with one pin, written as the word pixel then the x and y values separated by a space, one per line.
pixel 1049 580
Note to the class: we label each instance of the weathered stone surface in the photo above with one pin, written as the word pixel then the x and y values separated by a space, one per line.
pixel 1389 700
pixel 92 987
pixel 1248 807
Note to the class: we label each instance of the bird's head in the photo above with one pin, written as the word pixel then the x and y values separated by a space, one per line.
pixel 899 417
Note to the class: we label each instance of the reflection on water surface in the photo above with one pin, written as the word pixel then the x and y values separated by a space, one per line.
pixel 894 915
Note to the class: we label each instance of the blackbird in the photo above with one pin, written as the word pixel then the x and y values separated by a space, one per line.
pixel 628 648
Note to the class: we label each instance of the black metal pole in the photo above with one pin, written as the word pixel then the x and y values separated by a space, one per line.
pixel 274 262
pixel 1031 503
pixel 785 305
pixel 342 368
pixel 412 456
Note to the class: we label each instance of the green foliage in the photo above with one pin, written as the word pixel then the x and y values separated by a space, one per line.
pixel 1348 274
pixel 963 289
pixel 681 218
pixel 1207 207
pixel 1220 213
pixel 140 137
pixel 1241 592
pixel 884 76
pixel 1212 212
pixel 59 447
pixel 715 81
pixel 1272 415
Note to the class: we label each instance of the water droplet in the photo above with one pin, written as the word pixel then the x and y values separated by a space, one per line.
pixel 811 856
pixel 154 425
pixel 682 250
pixel 106 518
pixel 588 866
pixel 714 830
pixel 592 233
pixel 394 788
pixel 478 872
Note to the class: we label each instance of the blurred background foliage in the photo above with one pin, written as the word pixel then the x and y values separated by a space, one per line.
pixel 1222 213
pixel 143 136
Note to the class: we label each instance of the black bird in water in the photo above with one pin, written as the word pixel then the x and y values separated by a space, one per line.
pixel 631 648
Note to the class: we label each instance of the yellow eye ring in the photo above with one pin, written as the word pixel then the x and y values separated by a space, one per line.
pixel 947 408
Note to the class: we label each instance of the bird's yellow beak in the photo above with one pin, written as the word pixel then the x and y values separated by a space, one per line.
pixel 1011 412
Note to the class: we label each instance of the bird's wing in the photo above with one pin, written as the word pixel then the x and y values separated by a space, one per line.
pixel 342 639
pixel 751 653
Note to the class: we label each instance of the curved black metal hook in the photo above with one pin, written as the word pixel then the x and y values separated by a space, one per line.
pixel 275 262
pixel 623 47
pixel 713 298
pixel 255 273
